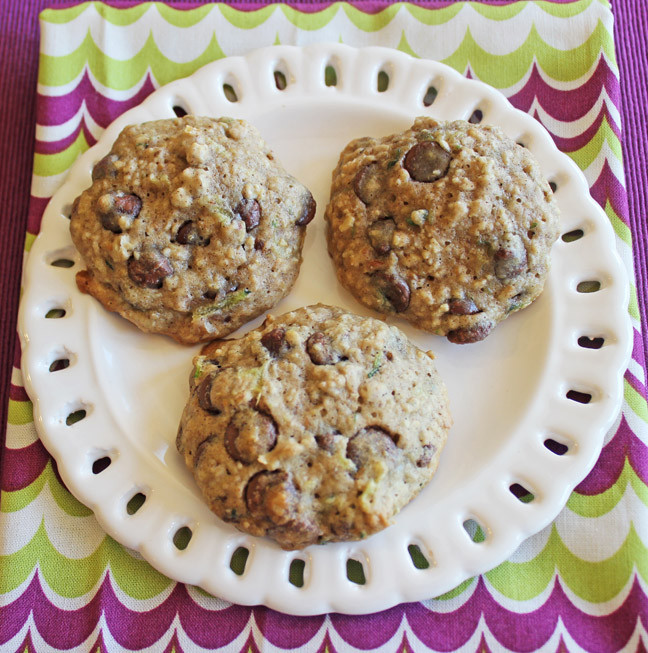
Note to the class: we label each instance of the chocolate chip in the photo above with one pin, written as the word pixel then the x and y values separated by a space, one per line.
pixel 250 434
pixel 367 183
pixel 296 534
pixel 393 288
pixel 118 208
pixel 308 211
pixel 273 340
pixel 326 441
pixel 426 456
pixel 188 235
pixel 371 443
pixel 462 307
pixel 250 212
pixel 510 258
pixel 380 235
pixel 259 245
pixel 468 335
pixel 427 161
pixel 272 495
pixel 204 396
pixel 149 269
pixel 320 350
pixel 105 167
pixel 202 448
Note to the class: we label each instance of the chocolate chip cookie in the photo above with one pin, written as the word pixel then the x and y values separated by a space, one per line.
pixel 191 227
pixel 448 225
pixel 318 426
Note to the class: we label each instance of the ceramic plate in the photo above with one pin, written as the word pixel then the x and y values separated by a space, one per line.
pixel 521 424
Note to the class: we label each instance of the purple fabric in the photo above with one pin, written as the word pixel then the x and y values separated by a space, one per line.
pixel 630 34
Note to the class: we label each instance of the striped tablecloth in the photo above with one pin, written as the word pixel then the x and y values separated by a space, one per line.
pixel 577 585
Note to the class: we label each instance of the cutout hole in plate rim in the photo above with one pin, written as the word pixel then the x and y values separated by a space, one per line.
pixel 76 415
pixel 476 117
pixel 355 570
pixel 591 342
pixel 557 445
pixel 296 572
pixel 475 530
pixel 383 80
pixel 521 493
pixel 231 90
pixel 239 559
pixel 331 75
pixel 430 95
pixel 182 537
pixel 136 502
pixel 59 364
pixel 419 559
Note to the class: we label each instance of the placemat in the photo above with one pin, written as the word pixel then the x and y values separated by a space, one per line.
pixel 577 585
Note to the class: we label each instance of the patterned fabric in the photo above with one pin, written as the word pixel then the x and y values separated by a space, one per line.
pixel 578 585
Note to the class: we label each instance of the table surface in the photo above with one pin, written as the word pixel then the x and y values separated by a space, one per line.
pixel 19 41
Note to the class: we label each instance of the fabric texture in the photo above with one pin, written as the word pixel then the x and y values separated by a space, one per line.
pixel 578 585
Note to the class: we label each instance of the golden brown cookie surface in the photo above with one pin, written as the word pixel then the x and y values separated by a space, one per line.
pixel 449 225
pixel 318 426
pixel 190 227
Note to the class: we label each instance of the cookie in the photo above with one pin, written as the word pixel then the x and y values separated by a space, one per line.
pixel 191 227
pixel 318 426
pixel 448 225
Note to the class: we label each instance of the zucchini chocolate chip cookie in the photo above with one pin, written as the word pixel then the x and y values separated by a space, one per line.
pixel 449 225
pixel 191 227
pixel 318 426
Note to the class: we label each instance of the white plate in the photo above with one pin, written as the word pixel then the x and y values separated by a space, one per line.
pixel 508 393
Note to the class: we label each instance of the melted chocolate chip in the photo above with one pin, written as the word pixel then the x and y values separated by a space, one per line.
pixel 367 183
pixel 320 350
pixel 124 208
pixel 510 262
pixel 250 434
pixel 188 234
pixel 380 235
pixel 202 448
pixel 204 396
pixel 149 270
pixel 469 335
pixel 393 288
pixel 462 307
pixel 427 162
pixel 105 167
pixel 371 443
pixel 308 211
pixel 296 534
pixel 250 212
pixel 274 340
pixel 272 496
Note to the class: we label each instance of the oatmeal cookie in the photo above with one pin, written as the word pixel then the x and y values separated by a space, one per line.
pixel 191 227
pixel 318 426
pixel 449 225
